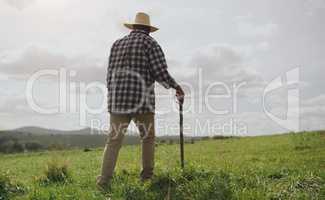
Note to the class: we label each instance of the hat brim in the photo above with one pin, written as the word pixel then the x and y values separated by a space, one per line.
pixel 131 26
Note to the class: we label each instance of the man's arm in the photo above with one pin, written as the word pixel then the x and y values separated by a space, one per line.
pixel 159 70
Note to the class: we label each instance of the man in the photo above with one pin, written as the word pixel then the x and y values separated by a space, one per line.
pixel 136 61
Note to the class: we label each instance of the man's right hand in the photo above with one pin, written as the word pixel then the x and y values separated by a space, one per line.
pixel 180 94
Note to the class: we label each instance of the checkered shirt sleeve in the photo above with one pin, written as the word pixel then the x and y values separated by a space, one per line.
pixel 159 67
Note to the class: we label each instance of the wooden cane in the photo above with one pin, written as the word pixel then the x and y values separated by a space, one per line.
pixel 181 137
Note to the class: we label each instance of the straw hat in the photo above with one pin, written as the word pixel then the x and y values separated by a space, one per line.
pixel 141 19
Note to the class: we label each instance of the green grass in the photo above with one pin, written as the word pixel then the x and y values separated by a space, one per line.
pixel 290 166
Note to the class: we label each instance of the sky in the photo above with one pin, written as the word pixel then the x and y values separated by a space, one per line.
pixel 227 54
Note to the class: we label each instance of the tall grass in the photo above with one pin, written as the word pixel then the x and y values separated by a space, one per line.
pixel 8 188
pixel 56 171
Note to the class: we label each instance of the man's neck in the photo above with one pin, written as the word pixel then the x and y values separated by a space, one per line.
pixel 140 31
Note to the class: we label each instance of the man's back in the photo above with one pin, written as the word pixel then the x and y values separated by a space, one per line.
pixel 136 62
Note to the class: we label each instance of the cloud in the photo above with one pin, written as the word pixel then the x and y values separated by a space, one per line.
pixel 247 27
pixel 3 77
pixel 314 107
pixel 313 113
pixel 224 64
pixel 33 58
pixel 15 105
pixel 217 62
pixel 20 4
pixel 315 101
pixel 263 46
pixel 313 6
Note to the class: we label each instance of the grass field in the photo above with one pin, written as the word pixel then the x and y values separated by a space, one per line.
pixel 290 166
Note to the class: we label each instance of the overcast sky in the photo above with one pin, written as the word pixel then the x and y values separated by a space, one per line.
pixel 223 41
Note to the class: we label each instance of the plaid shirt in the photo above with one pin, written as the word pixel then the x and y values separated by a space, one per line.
pixel 136 61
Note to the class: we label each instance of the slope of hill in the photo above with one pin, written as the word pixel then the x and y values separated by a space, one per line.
pixel 62 139
pixel 290 166
pixel 73 138
pixel 44 131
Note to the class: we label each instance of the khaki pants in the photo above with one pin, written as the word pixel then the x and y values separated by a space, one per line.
pixel 118 127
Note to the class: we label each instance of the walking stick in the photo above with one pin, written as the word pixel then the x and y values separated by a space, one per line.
pixel 181 137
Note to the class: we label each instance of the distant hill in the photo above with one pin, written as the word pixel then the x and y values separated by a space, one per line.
pixel 48 137
pixel 71 138
pixel 43 131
